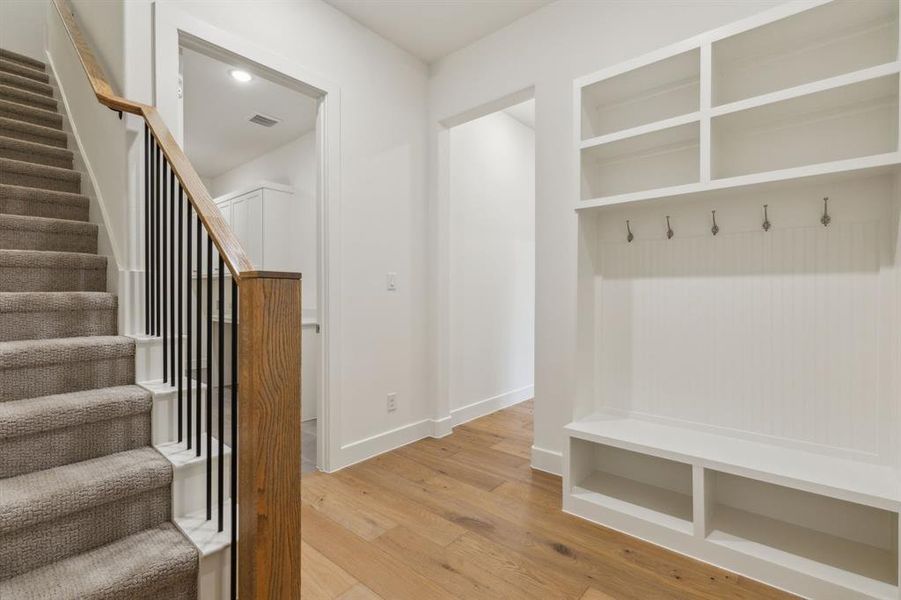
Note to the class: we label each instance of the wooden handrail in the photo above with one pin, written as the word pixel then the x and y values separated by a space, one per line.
pixel 237 261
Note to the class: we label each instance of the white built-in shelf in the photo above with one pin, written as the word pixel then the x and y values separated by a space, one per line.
pixel 734 351
pixel 768 181
pixel 838 477
pixel 859 566
pixel 658 91
pixel 854 121
pixel 660 158
pixel 825 41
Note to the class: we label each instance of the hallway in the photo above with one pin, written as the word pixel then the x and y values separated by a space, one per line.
pixel 466 517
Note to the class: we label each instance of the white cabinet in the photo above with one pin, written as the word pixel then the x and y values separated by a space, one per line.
pixel 264 217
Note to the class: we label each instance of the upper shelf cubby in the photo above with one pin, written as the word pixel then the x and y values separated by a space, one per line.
pixel 849 122
pixel 655 92
pixel 830 40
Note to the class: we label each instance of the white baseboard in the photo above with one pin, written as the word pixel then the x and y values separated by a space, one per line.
pixel 487 406
pixel 356 452
pixel 548 461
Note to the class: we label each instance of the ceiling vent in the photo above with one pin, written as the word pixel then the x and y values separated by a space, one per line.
pixel 263 120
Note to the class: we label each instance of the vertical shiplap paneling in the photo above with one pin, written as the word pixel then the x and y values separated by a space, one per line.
pixel 774 333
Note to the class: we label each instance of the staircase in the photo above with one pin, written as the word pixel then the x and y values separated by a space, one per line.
pixel 85 501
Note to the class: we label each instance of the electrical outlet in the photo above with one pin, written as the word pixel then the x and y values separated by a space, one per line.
pixel 392 402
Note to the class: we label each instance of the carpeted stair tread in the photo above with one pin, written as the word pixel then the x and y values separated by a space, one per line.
pixel 32 498
pixel 17 68
pixel 42 233
pixel 142 566
pixel 28 174
pixel 28 353
pixel 30 132
pixel 30 114
pixel 28 98
pixel 35 415
pixel 30 368
pixel 46 271
pixel 42 315
pixel 51 431
pixel 24 83
pixel 35 152
pixel 21 58
pixel 20 200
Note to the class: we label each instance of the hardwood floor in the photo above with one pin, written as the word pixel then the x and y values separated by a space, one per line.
pixel 466 517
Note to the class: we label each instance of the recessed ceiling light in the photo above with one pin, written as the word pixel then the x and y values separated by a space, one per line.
pixel 239 75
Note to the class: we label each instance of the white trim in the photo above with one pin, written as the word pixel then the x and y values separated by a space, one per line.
pixel 172 28
pixel 548 461
pixel 467 413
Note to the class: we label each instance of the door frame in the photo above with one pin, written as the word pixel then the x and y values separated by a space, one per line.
pixel 174 29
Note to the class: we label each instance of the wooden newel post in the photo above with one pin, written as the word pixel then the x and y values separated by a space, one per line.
pixel 269 438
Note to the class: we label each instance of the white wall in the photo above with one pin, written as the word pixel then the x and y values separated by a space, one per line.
pixel 294 164
pixel 547 50
pixel 22 26
pixel 492 235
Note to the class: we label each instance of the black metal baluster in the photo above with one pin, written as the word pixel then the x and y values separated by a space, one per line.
pixel 181 302
pixel 189 299
pixel 172 293
pixel 233 558
pixel 165 296
pixel 221 365
pixel 196 377
pixel 147 177
pixel 154 242
pixel 209 378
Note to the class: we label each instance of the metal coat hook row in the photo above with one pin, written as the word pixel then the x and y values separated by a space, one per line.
pixel 766 218
pixel 825 219
pixel 629 237
pixel 716 228
pixel 669 229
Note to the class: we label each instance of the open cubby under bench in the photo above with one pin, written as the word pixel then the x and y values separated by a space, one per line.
pixel 820 523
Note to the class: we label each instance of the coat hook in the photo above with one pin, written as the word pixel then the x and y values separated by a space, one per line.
pixel 766 218
pixel 826 219
pixel 669 229
pixel 716 228
pixel 629 237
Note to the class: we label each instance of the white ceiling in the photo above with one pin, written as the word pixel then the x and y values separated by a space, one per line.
pixel 432 29
pixel 218 136
pixel 524 113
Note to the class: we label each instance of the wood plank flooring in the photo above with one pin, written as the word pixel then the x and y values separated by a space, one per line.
pixel 466 517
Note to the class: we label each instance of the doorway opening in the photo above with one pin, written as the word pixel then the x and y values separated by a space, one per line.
pixel 490 195
pixel 255 139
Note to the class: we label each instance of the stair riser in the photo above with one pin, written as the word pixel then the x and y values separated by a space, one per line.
pixel 189 484
pixel 64 162
pixel 28 98
pixel 32 547
pixel 73 444
pixel 46 325
pixel 13 239
pixel 44 380
pixel 44 183
pixel 25 83
pixel 21 70
pixel 23 132
pixel 53 210
pixel 19 279
pixel 31 115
